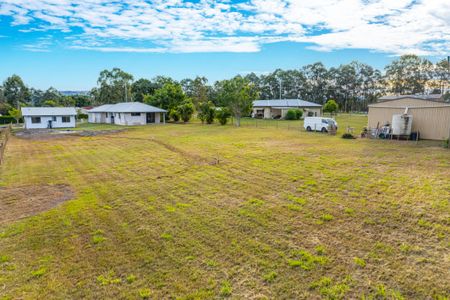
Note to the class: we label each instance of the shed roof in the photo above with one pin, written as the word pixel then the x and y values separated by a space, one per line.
pixel 48 111
pixel 431 97
pixel 126 107
pixel 284 103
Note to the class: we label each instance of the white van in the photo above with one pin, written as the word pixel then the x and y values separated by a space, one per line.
pixel 319 124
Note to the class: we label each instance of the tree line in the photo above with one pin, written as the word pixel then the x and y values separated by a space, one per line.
pixel 353 86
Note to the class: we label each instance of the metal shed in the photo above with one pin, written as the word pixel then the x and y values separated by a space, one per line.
pixel 431 115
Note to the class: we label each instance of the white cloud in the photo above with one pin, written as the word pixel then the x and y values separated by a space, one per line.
pixel 42 44
pixel 395 27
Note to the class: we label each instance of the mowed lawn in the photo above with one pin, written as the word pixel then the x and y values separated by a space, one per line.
pixel 205 211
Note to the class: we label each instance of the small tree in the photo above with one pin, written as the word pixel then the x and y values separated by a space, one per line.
pixel 15 113
pixel 222 114
pixel 238 95
pixel 206 112
pixel 331 107
pixel 174 115
pixel 185 110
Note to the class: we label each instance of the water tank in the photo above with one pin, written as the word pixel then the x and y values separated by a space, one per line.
pixel 401 124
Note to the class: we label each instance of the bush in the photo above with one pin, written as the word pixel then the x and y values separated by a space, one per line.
pixel 348 136
pixel 174 115
pixel 293 114
pixel 8 120
pixel 206 112
pixel 222 114
pixel 185 110
pixel 82 116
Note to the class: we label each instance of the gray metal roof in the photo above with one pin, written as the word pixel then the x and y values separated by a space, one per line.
pixel 101 108
pixel 48 111
pixel 431 97
pixel 284 103
pixel 126 107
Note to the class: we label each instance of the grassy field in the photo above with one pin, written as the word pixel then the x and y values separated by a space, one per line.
pixel 191 211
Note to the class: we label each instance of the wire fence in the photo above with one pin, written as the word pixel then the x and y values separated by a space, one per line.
pixel 5 132
pixel 269 123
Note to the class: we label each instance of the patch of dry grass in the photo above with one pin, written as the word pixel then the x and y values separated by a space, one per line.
pixel 195 212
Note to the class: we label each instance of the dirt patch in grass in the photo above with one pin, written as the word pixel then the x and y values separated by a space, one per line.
pixel 178 150
pixel 24 201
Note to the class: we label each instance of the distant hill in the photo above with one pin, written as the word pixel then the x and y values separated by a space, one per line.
pixel 73 93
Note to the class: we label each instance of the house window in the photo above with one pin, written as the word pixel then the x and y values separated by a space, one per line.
pixel 65 119
pixel 54 119
pixel 36 120
pixel 135 114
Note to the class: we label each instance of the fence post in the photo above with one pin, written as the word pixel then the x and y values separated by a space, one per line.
pixel 4 135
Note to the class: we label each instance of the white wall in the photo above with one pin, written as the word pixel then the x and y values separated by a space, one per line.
pixel 44 122
pixel 122 118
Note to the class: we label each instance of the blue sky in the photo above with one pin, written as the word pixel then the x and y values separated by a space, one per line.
pixel 66 43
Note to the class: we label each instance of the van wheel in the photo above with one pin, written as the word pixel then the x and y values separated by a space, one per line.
pixel 308 128
pixel 324 130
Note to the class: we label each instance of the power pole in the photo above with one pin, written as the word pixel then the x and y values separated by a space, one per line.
pixel 281 81
pixel 126 93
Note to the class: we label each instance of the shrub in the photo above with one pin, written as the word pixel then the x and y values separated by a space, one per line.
pixel 174 115
pixel 8 120
pixel 185 110
pixel 348 136
pixel 222 114
pixel 293 114
pixel 206 112
pixel 82 116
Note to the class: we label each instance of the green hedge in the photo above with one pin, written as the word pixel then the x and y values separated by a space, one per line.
pixel 82 117
pixel 8 119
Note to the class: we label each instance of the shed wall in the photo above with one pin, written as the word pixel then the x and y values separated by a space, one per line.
pixel 432 122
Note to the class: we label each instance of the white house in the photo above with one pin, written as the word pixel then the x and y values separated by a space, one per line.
pixel 127 113
pixel 276 109
pixel 49 117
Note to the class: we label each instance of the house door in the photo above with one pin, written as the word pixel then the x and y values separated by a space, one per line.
pixel 112 119
pixel 150 118
pixel 50 125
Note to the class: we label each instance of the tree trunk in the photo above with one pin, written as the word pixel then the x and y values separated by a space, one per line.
pixel 238 121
